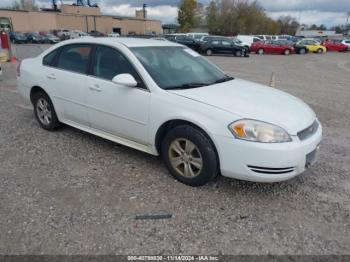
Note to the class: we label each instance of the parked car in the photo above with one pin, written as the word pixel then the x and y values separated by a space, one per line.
pixel 63 33
pixel 77 34
pixel 272 47
pixel 299 49
pixel 335 45
pixel 165 99
pixel 96 34
pixel 187 41
pixel 248 39
pixel 170 37
pixel 113 35
pixel 222 46
pixel 35 38
pixel 207 38
pixel 197 36
pixel 347 43
pixel 18 38
pixel 312 45
pixel 51 39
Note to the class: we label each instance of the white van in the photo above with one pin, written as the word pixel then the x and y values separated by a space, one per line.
pixel 247 40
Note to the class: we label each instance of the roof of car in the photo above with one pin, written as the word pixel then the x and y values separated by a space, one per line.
pixel 127 41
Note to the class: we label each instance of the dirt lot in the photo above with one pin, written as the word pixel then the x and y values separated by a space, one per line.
pixel 69 192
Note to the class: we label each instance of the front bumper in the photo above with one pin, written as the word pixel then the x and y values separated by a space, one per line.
pixel 265 162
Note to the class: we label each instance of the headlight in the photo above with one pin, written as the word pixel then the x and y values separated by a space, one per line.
pixel 258 131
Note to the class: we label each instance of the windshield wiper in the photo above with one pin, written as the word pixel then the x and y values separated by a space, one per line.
pixel 187 86
pixel 224 79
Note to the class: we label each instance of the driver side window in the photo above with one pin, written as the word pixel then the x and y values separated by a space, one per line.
pixel 109 62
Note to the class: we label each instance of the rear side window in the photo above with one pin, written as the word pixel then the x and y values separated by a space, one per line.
pixel 74 58
pixel 50 57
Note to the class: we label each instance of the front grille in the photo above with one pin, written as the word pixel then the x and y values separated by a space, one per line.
pixel 271 170
pixel 309 131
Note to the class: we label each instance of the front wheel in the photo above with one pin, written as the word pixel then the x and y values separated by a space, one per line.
pixel 320 50
pixel 238 53
pixel 190 156
pixel 45 112
pixel 209 52
pixel 261 51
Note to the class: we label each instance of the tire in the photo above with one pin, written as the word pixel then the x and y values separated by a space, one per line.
pixel 238 53
pixel 320 50
pixel 209 52
pixel 286 52
pixel 302 51
pixel 260 51
pixel 202 162
pixel 45 112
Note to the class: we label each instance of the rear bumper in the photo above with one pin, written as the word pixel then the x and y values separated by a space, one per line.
pixel 23 89
pixel 263 162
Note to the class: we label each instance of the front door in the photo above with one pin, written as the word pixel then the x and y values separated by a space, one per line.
pixel 117 109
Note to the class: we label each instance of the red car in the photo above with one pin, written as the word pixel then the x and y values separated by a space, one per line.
pixel 272 47
pixel 335 45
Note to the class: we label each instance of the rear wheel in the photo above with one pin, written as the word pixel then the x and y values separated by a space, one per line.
pixel 190 156
pixel 302 51
pixel 261 51
pixel 286 52
pixel 45 112
pixel 209 52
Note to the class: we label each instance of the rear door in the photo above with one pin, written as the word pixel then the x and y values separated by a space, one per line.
pixel 66 77
pixel 227 46
pixel 216 46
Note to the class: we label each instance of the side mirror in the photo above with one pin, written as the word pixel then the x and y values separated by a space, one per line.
pixel 125 80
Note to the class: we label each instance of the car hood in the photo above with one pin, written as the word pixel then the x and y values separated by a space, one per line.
pixel 250 100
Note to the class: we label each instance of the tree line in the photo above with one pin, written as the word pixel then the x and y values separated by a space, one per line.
pixel 232 17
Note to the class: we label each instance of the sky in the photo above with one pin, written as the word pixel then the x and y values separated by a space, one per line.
pixel 328 12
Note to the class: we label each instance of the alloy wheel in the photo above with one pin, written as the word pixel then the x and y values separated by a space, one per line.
pixel 185 158
pixel 44 112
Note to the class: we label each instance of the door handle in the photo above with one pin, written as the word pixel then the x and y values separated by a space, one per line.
pixel 51 76
pixel 95 87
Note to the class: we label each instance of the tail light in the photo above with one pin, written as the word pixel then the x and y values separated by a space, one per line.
pixel 19 69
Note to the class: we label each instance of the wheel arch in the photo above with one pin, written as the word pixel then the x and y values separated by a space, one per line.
pixel 166 126
pixel 34 90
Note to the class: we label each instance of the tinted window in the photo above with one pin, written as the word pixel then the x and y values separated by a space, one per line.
pixel 215 42
pixel 109 62
pixel 180 37
pixel 49 58
pixel 74 58
pixel 226 43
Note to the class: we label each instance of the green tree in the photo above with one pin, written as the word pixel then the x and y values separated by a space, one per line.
pixel 187 15
pixel 212 20
pixel 288 25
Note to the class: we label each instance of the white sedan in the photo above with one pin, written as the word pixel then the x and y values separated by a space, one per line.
pixel 165 99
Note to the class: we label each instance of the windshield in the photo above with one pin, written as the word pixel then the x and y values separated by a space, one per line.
pixel 174 67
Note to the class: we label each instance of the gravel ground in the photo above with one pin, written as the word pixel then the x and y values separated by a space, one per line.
pixel 68 192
